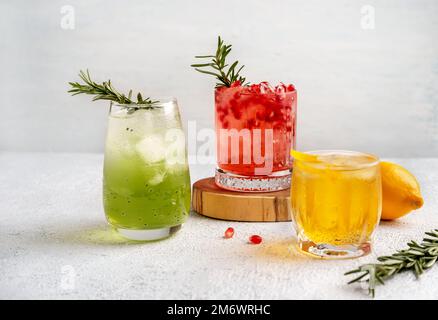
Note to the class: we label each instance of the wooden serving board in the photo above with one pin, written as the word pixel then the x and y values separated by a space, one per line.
pixel 214 202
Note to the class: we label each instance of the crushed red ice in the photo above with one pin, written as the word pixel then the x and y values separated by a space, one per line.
pixel 265 88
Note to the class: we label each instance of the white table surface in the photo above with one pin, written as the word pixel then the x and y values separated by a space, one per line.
pixel 55 243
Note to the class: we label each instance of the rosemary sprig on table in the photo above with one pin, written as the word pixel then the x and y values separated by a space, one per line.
pixel 218 66
pixel 417 258
pixel 106 91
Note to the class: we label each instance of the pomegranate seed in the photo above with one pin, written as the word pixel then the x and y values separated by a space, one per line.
pixel 255 239
pixel 229 233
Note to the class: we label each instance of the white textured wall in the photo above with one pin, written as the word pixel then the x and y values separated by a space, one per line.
pixel 371 90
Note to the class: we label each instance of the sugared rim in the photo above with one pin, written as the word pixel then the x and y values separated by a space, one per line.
pixel 373 161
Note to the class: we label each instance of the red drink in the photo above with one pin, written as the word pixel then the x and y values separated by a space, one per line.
pixel 255 129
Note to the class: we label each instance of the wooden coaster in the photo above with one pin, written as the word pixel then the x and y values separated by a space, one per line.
pixel 214 202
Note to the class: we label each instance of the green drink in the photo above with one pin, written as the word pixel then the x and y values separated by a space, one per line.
pixel 146 188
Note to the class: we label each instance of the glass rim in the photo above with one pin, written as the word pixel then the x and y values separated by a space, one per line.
pixel 161 101
pixel 374 161
pixel 272 94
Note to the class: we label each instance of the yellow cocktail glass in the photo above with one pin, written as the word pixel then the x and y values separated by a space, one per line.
pixel 336 199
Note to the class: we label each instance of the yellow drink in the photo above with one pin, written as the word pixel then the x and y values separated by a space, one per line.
pixel 336 202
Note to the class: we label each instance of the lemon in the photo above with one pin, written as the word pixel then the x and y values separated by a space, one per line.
pixel 303 156
pixel 400 191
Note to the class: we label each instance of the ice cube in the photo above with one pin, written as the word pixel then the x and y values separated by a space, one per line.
pixel 157 178
pixel 142 123
pixel 366 174
pixel 265 87
pixel 280 89
pixel 151 148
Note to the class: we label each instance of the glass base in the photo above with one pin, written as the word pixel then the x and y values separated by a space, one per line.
pixel 148 234
pixel 277 181
pixel 328 251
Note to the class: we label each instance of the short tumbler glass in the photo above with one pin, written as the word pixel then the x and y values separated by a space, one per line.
pixel 336 202
pixel 255 129
pixel 146 182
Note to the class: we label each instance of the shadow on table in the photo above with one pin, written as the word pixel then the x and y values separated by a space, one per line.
pixel 284 249
pixel 97 234
pixel 396 224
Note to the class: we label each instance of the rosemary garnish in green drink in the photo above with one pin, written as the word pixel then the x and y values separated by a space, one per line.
pixel 417 258
pixel 218 66
pixel 106 91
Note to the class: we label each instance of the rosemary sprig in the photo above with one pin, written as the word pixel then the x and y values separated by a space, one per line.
pixel 218 66
pixel 106 91
pixel 417 258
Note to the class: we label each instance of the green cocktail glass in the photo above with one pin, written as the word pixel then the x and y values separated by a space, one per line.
pixel 146 185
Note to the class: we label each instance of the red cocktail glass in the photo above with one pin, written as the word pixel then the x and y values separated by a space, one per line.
pixel 255 130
